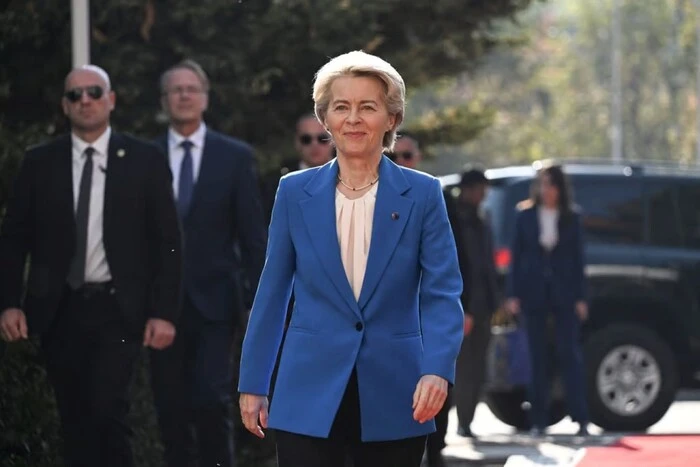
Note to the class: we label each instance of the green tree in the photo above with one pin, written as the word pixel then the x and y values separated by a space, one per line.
pixel 553 96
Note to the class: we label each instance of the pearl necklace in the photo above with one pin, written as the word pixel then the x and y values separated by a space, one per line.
pixel 360 188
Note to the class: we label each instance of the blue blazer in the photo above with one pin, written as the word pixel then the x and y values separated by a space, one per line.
pixel 225 215
pixel 531 267
pixel 408 321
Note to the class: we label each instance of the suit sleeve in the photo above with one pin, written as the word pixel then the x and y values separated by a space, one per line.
pixel 442 317
pixel 515 254
pixel 250 220
pixel 165 239
pixel 265 327
pixel 16 233
pixel 461 250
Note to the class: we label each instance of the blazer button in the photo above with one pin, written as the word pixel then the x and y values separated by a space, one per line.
pixel 359 326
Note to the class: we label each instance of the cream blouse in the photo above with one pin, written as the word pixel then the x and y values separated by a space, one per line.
pixel 354 226
pixel 549 229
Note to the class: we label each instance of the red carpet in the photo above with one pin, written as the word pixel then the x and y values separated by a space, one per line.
pixel 646 451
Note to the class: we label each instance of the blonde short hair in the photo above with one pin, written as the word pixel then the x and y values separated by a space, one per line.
pixel 358 63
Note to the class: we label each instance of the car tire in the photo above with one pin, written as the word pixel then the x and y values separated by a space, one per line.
pixel 631 377
pixel 509 408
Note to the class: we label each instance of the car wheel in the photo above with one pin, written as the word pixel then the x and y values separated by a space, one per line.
pixel 631 377
pixel 510 408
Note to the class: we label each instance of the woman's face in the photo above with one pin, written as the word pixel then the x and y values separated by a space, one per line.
pixel 357 116
pixel 549 194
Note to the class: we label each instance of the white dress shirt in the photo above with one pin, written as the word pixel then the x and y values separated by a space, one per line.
pixel 354 225
pixel 96 267
pixel 549 227
pixel 176 153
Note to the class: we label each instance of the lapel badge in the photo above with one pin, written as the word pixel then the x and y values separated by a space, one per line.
pixel 395 215
pixel 120 153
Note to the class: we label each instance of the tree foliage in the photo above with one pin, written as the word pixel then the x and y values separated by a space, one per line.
pixel 261 56
pixel 553 97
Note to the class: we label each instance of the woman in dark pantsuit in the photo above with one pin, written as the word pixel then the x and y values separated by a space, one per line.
pixel 546 280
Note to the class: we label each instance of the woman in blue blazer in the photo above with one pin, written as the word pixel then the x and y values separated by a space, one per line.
pixel 377 324
pixel 547 279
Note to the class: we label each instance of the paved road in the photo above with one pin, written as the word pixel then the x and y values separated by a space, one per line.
pixel 497 441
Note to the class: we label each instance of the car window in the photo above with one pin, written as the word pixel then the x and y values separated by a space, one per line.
pixel 611 206
pixel 499 206
pixel 665 229
pixel 689 208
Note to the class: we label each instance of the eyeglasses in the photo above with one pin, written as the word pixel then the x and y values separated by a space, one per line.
pixel 75 94
pixel 406 155
pixel 307 139
pixel 184 90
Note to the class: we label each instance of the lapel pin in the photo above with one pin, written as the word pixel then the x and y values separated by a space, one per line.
pixel 120 153
pixel 394 215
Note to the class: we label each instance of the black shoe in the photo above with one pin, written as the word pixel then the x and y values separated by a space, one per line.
pixel 464 432
pixel 583 430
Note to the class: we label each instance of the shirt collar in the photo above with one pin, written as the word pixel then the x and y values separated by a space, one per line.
pixel 101 144
pixel 197 138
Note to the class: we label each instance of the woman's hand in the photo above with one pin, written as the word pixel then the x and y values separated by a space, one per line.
pixel 512 306
pixel 429 397
pixel 254 410
pixel 582 310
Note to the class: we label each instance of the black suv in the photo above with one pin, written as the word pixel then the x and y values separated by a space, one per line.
pixel 642 232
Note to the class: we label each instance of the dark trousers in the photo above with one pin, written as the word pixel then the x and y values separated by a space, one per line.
pixel 436 441
pixel 90 357
pixel 192 384
pixel 344 443
pixel 570 360
pixel 471 369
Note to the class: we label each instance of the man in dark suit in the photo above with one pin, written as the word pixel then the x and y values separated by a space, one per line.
pixel 95 213
pixel 314 148
pixel 218 202
pixel 474 240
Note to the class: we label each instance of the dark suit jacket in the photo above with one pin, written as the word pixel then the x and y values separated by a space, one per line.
pixel 141 232
pixel 479 294
pixel 225 218
pixel 270 182
pixel 532 267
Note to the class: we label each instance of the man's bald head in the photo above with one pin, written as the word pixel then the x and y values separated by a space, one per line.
pixel 88 101
pixel 94 69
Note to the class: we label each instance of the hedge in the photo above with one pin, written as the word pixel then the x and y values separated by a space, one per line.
pixel 29 427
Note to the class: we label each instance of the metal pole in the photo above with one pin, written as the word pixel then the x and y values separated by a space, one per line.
pixel 616 130
pixel 80 28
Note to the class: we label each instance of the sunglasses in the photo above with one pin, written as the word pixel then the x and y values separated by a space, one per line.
pixel 75 94
pixel 307 139
pixel 406 155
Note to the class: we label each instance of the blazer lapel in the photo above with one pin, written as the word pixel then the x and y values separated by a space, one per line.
pixel 391 212
pixel 115 177
pixel 207 170
pixel 319 214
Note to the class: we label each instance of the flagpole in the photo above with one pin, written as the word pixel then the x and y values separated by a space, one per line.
pixel 80 31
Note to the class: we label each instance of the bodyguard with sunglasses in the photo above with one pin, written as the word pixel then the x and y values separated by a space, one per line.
pixel 94 213
pixel 406 152
pixel 314 148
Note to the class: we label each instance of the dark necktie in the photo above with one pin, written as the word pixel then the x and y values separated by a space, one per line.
pixel 186 183
pixel 76 274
